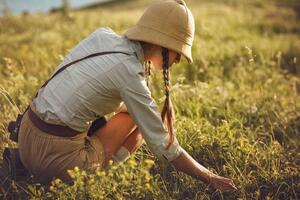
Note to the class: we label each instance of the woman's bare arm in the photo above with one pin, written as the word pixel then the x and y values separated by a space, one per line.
pixel 188 165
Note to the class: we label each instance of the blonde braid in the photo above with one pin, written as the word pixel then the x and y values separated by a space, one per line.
pixel 147 71
pixel 167 113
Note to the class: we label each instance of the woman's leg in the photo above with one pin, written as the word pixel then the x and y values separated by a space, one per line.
pixel 134 141
pixel 119 131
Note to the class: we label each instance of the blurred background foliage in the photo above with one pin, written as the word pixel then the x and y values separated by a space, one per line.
pixel 237 106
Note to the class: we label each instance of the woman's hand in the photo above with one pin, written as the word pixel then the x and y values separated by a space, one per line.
pixel 188 165
pixel 221 183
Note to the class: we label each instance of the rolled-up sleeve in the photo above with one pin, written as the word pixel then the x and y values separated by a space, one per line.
pixel 143 109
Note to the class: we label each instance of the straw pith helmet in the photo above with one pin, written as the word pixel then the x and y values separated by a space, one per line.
pixel 167 23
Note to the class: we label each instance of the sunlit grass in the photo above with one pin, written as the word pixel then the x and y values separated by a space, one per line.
pixel 237 107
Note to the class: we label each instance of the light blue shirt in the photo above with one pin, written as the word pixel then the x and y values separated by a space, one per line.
pixel 98 86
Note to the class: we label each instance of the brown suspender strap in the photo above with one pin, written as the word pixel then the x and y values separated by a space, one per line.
pixel 73 62
pixel 59 130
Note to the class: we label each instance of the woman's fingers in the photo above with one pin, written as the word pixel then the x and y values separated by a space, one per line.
pixel 233 186
pixel 228 184
pixel 222 183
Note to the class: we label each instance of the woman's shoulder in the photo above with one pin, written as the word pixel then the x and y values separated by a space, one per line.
pixel 106 38
pixel 106 31
pixel 132 59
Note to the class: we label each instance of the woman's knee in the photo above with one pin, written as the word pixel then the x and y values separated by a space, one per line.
pixel 121 123
pixel 115 132
pixel 124 117
pixel 134 141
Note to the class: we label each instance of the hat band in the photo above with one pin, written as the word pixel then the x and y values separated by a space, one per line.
pixel 189 43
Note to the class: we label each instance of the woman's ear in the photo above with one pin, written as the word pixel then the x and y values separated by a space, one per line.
pixel 174 57
pixel 152 53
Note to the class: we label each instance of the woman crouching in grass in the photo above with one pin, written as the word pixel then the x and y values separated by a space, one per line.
pixel 107 75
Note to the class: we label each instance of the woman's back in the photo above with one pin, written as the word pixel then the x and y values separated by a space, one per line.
pixel 91 87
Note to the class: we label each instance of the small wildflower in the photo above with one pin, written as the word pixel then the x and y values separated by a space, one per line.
pixel 91 180
pixel 147 177
pixel 76 169
pixel 132 163
pixel 253 109
pixel 57 181
pixel 71 173
pixel 250 54
pixel 149 162
pixel 100 173
pixel 110 174
pixel 83 173
pixel 148 186
pixel 110 162
pixel 52 188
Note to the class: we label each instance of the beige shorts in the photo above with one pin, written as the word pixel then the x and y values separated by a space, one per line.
pixel 47 156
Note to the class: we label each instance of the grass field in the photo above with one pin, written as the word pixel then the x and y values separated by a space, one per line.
pixel 237 107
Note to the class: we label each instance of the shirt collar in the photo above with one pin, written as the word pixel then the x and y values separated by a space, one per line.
pixel 138 50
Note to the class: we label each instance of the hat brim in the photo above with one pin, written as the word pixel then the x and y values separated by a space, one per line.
pixel 156 37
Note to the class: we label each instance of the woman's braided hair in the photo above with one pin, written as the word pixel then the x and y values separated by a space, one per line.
pixel 167 113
